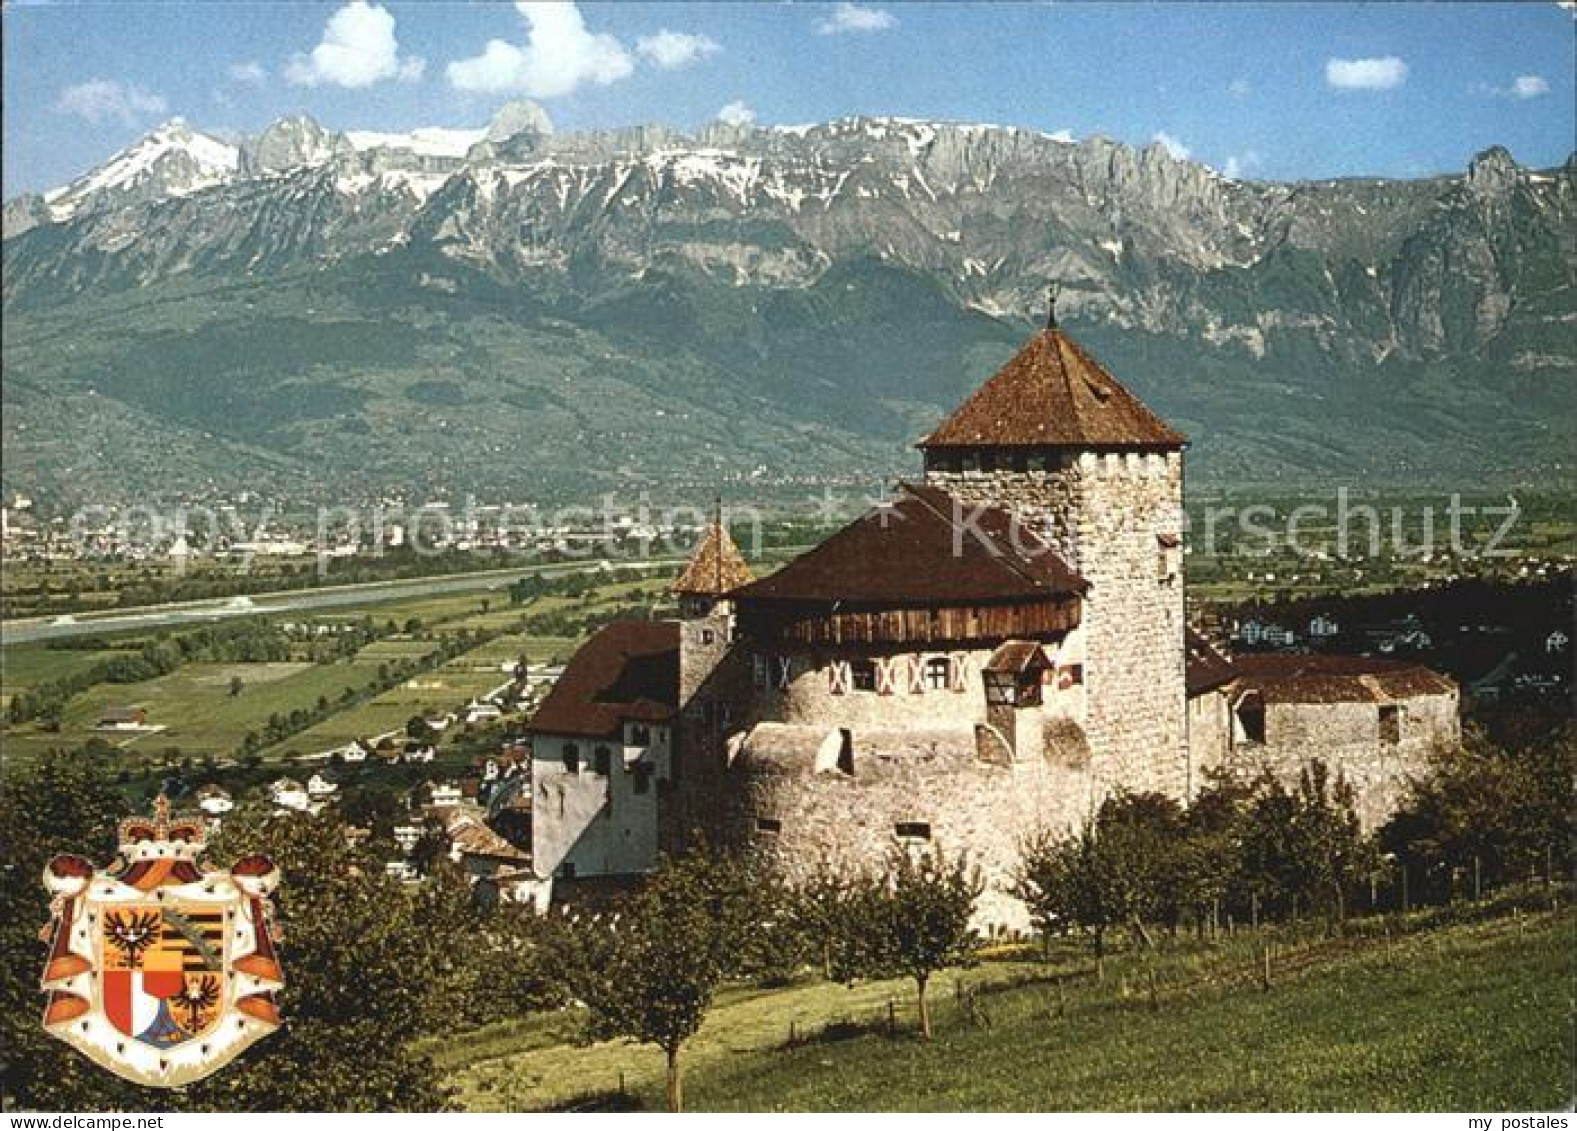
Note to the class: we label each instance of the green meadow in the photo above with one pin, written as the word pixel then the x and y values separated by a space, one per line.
pixel 1458 1017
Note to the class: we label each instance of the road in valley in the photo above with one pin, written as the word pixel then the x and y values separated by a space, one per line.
pixel 33 629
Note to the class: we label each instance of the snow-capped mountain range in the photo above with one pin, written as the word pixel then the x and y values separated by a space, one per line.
pixel 1209 289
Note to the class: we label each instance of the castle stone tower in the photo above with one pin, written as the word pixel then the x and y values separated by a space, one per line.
pixel 1057 440
pixel 707 693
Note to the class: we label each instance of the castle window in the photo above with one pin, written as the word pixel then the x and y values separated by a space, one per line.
pixel 938 673
pixel 1250 713
pixel 769 825
pixel 708 636
pixel 759 672
pixel 567 870
pixel 1070 675
pixel 863 675
pixel 601 760
pixel 912 831
pixel 846 751
pixel 571 758
pixel 970 461
pixel 641 780
pixel 1390 724
pixel 640 735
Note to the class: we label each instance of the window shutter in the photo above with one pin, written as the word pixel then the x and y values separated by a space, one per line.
pixel 916 675
pixel 785 666
pixel 960 671
pixel 885 676
pixel 838 672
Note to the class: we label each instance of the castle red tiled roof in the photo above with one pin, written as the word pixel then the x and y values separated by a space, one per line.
pixel 628 671
pixel 924 548
pixel 1053 394
pixel 1207 668
pixel 716 566
pixel 1292 678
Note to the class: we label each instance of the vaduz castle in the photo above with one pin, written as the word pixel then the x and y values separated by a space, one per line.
pixel 992 653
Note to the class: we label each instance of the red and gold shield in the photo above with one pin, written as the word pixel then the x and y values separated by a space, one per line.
pixel 161 968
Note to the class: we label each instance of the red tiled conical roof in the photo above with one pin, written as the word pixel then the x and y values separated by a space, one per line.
pixel 716 566
pixel 1053 394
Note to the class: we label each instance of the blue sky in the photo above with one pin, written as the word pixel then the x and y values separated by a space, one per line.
pixel 1278 90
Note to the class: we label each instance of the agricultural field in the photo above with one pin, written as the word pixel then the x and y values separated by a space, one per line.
pixel 194 706
pixel 198 715
pixel 27 665
pixel 1462 1016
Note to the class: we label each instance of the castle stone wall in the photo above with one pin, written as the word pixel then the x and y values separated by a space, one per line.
pixel 799 816
pixel 1346 737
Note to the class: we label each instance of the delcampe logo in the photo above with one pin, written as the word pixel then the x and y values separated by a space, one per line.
pixel 161 967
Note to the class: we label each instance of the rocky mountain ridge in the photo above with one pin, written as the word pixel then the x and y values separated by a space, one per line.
pixel 1454 293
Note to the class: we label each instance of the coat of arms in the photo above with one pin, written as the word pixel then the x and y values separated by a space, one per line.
pixel 161 968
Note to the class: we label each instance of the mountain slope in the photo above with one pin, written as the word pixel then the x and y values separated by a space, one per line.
pixel 513 310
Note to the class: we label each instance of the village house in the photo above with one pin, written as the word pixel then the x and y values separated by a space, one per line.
pixel 991 652
pixel 481 711
pixel 287 793
pixel 214 801
pixel 1322 627
pixel 122 718
pixel 353 751
pixel 406 834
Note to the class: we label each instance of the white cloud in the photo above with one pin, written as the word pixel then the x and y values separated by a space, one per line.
pixel 1529 86
pixel 671 50
pixel 103 100
pixel 559 56
pixel 358 49
pixel 736 113
pixel 252 73
pixel 1366 74
pixel 1176 148
pixel 1240 88
pixel 855 17
pixel 1522 88
pixel 1064 136
pixel 1241 164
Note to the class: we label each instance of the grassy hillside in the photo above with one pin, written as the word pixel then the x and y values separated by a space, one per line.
pixel 1468 1016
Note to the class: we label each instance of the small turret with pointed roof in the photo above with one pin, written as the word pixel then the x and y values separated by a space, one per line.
pixel 717 567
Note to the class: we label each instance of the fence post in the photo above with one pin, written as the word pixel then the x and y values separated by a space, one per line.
pixel 1062 999
pixel 1478 877
pixel 1155 1002
pixel 1254 910
pixel 892 1019
pixel 1407 904
pixel 793 1037
pixel 1265 974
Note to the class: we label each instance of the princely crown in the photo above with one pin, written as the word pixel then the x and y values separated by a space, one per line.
pixel 141 838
